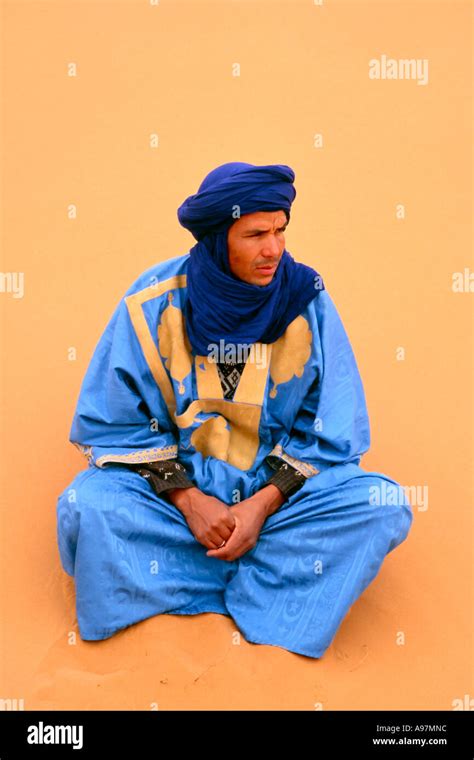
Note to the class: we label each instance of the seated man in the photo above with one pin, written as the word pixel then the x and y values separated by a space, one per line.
pixel 224 419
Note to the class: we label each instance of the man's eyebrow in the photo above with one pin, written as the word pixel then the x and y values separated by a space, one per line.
pixel 249 232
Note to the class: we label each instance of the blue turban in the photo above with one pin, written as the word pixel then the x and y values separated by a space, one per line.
pixel 219 305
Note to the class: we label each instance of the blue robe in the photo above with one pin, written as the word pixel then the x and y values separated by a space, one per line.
pixel 146 397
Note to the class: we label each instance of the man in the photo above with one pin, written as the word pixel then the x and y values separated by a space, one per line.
pixel 224 419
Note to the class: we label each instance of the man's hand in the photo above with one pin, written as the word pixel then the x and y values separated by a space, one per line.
pixel 210 520
pixel 249 514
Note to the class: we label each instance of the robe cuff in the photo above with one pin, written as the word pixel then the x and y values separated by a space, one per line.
pixel 278 454
pixel 287 479
pixel 165 475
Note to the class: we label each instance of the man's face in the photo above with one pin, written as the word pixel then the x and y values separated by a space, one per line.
pixel 256 243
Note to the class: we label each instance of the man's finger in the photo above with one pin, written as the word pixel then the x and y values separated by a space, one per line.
pixel 229 545
pixel 219 535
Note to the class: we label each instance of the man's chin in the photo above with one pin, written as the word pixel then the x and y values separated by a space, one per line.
pixel 260 279
pixel 264 279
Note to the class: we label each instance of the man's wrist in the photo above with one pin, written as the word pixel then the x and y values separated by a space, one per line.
pixel 271 498
pixel 182 497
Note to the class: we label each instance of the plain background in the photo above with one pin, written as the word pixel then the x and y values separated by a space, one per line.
pixel 168 69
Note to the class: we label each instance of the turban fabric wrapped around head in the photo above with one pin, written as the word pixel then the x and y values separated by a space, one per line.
pixel 219 305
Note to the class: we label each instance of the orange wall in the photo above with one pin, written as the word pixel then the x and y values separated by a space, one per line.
pixel 85 140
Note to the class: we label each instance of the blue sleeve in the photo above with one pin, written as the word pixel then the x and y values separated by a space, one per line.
pixel 332 424
pixel 121 415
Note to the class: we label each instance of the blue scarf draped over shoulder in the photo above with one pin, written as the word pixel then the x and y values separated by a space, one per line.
pixel 220 306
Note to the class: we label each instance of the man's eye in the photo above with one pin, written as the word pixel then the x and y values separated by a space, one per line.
pixel 256 234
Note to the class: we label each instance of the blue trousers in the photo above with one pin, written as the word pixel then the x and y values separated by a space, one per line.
pixel 133 556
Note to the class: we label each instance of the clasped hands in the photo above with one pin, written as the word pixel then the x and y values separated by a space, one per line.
pixel 211 521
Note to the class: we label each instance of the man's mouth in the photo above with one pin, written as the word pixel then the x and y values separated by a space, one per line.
pixel 267 268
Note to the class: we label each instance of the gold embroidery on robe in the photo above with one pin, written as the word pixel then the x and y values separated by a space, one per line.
pixel 232 434
pixel 152 355
pixel 290 353
pixel 174 343
pixel 238 441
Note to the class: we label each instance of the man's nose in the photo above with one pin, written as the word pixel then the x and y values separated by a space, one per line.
pixel 271 249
